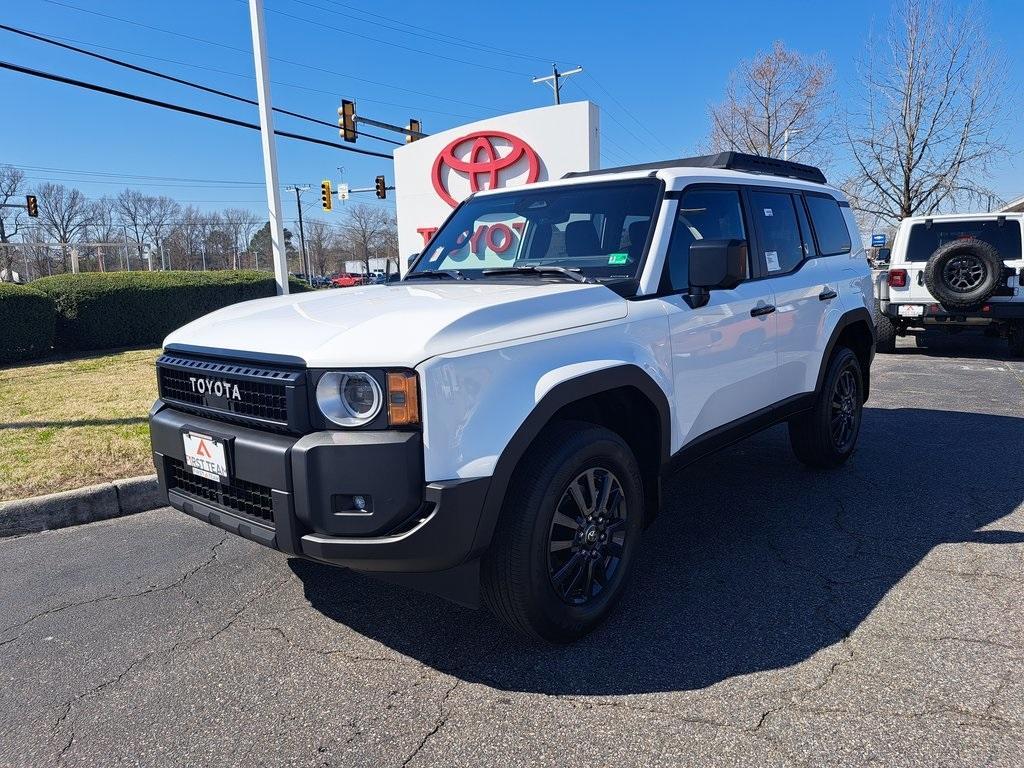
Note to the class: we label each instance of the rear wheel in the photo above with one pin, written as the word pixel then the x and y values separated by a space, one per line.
pixel 569 528
pixel 885 333
pixel 826 435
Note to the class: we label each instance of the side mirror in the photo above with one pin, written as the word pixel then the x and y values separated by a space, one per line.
pixel 882 255
pixel 717 264
pixel 411 259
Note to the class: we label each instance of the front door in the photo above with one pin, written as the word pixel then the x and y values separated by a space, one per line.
pixel 724 353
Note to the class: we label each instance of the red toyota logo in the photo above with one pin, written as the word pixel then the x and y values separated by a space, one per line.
pixel 483 160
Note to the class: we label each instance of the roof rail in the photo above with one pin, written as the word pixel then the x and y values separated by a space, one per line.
pixel 732 161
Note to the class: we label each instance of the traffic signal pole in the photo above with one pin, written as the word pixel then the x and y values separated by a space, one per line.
pixel 259 52
pixel 302 232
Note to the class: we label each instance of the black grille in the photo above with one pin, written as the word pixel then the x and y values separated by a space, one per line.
pixel 237 391
pixel 241 497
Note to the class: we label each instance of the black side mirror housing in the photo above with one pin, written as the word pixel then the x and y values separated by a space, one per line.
pixel 882 255
pixel 411 259
pixel 717 264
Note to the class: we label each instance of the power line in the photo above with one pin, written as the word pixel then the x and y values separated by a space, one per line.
pixel 179 108
pixel 413 29
pixel 247 52
pixel 180 81
pixel 431 54
pixel 127 175
pixel 278 83
pixel 627 112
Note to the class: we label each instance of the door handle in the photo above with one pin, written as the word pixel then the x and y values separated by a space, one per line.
pixel 762 309
pixel 827 294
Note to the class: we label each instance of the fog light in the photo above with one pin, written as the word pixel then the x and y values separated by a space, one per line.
pixel 359 502
pixel 352 504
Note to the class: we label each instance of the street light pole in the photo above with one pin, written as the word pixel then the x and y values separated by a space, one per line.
pixel 259 52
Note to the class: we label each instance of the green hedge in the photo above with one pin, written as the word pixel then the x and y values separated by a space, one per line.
pixel 27 319
pixel 127 309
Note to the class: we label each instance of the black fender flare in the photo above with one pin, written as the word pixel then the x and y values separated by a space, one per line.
pixel 847 319
pixel 561 395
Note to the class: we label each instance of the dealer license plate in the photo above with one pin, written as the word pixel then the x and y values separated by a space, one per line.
pixel 911 310
pixel 206 456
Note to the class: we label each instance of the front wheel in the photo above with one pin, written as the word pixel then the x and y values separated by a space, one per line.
pixel 568 533
pixel 826 435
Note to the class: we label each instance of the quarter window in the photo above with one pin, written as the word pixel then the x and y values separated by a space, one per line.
pixel 781 245
pixel 829 225
pixel 703 214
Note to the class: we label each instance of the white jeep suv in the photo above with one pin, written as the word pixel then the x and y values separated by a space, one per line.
pixel 954 273
pixel 495 427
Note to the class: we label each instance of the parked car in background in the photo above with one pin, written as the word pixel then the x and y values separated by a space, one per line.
pixel 345 280
pixel 953 273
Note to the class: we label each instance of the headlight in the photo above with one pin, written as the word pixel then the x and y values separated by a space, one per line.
pixel 349 399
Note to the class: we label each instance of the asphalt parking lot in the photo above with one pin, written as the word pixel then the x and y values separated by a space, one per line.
pixel 870 615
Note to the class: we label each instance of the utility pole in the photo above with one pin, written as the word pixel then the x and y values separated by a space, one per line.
pixel 259 52
pixel 554 80
pixel 299 189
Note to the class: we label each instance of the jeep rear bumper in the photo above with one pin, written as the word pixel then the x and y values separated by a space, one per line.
pixel 935 314
pixel 294 494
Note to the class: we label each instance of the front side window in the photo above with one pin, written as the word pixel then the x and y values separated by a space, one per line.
pixel 829 225
pixel 597 230
pixel 781 245
pixel 925 238
pixel 703 214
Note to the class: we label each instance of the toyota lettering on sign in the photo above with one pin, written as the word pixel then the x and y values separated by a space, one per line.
pixel 433 175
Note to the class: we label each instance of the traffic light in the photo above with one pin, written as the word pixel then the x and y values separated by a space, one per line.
pixel 326 200
pixel 414 125
pixel 32 205
pixel 380 186
pixel 347 120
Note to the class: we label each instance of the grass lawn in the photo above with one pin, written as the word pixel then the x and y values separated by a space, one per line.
pixel 73 422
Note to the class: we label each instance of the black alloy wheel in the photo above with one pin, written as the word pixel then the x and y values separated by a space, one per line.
pixel 587 537
pixel 964 273
pixel 845 410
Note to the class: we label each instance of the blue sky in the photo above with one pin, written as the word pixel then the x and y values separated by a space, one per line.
pixel 653 68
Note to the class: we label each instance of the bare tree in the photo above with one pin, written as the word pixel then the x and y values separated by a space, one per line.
pixel 103 227
pixel 364 227
pixel 776 100
pixel 160 213
pixel 320 243
pixel 241 223
pixel 64 213
pixel 933 103
pixel 12 188
pixel 133 211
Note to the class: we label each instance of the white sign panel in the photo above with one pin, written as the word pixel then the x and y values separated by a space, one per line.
pixel 433 175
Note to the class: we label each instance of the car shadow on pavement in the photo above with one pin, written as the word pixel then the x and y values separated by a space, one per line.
pixel 972 345
pixel 754 563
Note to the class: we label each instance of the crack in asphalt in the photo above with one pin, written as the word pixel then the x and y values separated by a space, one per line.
pixel 442 719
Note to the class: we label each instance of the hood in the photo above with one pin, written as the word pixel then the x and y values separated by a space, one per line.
pixel 394 325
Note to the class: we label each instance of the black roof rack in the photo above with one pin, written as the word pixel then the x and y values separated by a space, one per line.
pixel 732 161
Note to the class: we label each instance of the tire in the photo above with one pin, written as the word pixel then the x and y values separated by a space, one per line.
pixel 885 333
pixel 521 569
pixel 813 434
pixel 963 273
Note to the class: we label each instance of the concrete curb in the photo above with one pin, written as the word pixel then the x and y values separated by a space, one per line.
pixel 82 505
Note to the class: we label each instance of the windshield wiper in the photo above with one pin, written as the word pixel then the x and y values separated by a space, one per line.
pixel 454 274
pixel 572 274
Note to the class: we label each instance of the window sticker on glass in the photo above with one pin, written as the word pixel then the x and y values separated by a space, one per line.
pixel 772 257
pixel 768 212
pixel 618 258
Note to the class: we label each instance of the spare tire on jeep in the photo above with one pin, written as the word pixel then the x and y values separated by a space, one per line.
pixel 963 273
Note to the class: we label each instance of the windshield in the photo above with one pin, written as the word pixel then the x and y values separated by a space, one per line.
pixel 596 230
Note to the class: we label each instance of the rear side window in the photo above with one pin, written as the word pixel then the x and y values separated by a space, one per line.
pixel 704 214
pixel 829 225
pixel 925 239
pixel 781 244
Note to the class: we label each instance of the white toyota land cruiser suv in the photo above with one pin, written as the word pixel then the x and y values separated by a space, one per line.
pixel 495 427
pixel 953 273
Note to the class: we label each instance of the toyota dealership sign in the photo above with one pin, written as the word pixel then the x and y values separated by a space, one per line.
pixel 434 174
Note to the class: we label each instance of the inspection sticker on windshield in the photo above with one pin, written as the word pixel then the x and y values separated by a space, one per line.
pixel 618 258
pixel 768 212
pixel 772 257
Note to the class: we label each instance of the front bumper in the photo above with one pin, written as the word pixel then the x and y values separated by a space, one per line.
pixel 290 493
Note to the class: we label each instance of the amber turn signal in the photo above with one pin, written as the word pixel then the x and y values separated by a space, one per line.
pixel 403 399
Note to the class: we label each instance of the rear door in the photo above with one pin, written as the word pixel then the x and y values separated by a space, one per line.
pixel 723 353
